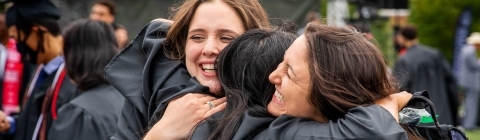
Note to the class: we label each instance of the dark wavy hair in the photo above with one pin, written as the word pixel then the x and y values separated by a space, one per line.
pixel 88 47
pixel 243 68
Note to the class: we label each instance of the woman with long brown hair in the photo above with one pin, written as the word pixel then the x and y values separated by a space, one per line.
pixel 326 73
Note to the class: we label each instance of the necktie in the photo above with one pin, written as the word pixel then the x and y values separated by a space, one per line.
pixel 41 77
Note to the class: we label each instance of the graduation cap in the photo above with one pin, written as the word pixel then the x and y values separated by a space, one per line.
pixel 30 10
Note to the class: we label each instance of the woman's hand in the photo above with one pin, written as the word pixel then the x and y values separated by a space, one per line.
pixel 183 114
pixel 402 99
pixel 395 102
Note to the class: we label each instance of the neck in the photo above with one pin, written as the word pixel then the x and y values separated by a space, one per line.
pixel 53 47
pixel 320 118
pixel 411 43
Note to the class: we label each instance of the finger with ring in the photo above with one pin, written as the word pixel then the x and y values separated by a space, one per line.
pixel 210 104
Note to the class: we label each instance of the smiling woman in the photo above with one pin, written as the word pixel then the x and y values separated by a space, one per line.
pixel 206 37
pixel 292 82
pixel 340 70
pixel 199 38
pixel 200 31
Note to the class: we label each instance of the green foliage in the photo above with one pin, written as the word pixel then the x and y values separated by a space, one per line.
pixel 436 21
pixel 383 34
pixel 473 135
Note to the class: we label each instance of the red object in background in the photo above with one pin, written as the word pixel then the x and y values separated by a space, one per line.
pixel 402 52
pixel 12 80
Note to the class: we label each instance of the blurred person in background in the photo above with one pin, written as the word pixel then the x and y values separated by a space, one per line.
pixel 363 28
pixel 88 47
pixel 121 34
pixel 33 24
pixel 104 10
pixel 425 68
pixel 311 16
pixel 469 80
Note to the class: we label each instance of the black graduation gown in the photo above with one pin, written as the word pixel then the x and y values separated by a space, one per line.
pixel 371 122
pixel 423 68
pixel 148 80
pixel 360 123
pixel 252 123
pixel 28 117
pixel 92 115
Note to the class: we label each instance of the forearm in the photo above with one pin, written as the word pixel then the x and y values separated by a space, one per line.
pixel 371 122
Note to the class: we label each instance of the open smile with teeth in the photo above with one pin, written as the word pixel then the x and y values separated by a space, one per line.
pixel 279 97
pixel 209 68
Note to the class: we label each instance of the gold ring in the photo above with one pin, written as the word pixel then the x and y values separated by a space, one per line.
pixel 210 104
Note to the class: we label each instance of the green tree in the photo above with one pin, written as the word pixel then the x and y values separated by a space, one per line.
pixel 383 34
pixel 436 21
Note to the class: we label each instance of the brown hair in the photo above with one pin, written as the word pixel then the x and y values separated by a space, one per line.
pixel 112 8
pixel 346 70
pixel 250 12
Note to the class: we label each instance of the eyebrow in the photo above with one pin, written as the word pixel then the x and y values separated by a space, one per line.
pixel 227 31
pixel 196 30
pixel 218 31
pixel 291 69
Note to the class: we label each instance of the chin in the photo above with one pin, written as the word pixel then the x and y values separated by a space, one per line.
pixel 216 91
pixel 213 86
pixel 273 111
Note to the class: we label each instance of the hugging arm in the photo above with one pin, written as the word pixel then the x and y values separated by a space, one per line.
pixel 183 114
pixel 370 122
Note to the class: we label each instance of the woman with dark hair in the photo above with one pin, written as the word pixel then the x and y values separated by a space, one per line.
pixel 88 47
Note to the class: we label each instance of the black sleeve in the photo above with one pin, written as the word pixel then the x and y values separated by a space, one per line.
pixel 130 124
pixel 368 123
pixel 126 73
pixel 74 123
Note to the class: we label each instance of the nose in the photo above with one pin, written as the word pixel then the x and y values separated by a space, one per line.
pixel 274 77
pixel 212 47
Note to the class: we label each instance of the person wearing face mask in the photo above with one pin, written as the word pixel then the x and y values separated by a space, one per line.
pixel 33 24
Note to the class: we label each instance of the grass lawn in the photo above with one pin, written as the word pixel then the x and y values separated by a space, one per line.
pixel 473 135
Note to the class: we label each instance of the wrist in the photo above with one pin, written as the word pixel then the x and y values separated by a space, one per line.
pixel 156 133
pixel 402 99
